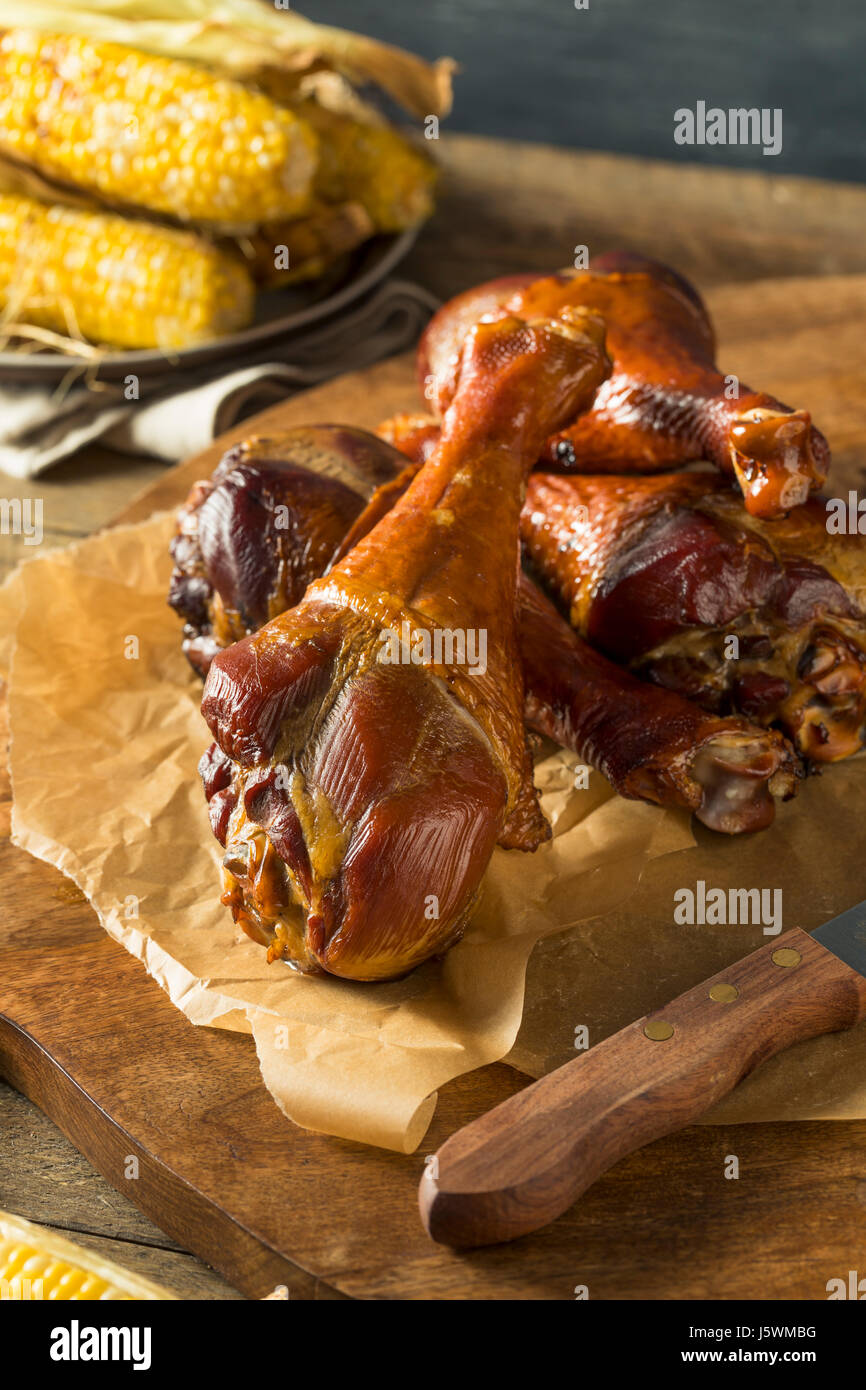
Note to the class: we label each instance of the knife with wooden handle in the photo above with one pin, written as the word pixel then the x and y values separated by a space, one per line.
pixel 526 1161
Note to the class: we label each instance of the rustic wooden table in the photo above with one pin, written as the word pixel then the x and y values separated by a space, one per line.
pixel 504 207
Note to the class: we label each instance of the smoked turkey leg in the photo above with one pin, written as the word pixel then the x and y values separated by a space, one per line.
pixel 369 792
pixel 665 403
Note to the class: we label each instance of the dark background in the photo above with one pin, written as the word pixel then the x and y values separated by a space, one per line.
pixel 611 77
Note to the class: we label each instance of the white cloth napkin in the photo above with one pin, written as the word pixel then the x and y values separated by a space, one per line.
pixel 40 425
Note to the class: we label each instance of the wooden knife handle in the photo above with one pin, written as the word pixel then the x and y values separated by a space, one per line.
pixel 525 1162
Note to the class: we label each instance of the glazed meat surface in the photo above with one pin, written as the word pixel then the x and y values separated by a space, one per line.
pixel 665 403
pixel 670 576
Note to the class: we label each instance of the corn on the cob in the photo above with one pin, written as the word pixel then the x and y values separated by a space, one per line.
pixel 150 132
pixel 115 280
pixel 373 165
pixel 36 1264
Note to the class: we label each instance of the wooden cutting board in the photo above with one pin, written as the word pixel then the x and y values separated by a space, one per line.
pixel 95 1043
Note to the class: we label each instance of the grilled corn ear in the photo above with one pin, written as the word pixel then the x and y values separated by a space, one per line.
pixel 36 1264
pixel 114 280
pixel 373 165
pixel 150 132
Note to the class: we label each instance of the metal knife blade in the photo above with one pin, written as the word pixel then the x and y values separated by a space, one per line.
pixel 845 936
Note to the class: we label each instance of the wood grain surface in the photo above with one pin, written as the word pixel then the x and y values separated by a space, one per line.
pixel 507 207
pixel 43 1175
pixel 221 1172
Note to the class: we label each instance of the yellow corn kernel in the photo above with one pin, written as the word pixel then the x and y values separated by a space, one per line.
pixel 152 132
pixel 37 1265
pixel 114 280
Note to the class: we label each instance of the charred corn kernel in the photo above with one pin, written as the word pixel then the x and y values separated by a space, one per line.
pixel 114 280
pixel 374 166
pixel 152 132
pixel 36 1264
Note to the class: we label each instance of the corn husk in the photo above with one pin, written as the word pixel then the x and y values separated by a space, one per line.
pixel 241 38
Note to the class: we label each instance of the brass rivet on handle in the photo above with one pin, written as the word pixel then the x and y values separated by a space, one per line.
pixel 786 955
pixel 724 994
pixel 658 1031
